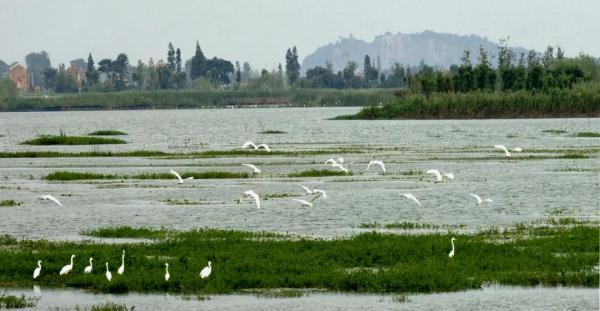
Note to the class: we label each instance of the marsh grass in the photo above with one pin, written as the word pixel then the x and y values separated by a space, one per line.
pixel 128 232
pixel 48 140
pixel 9 203
pixel 399 225
pixel 553 131
pixel 368 262
pixel 272 132
pixel 107 133
pixel 587 134
pixel 317 173
pixel 107 306
pixel 17 302
pixel 280 293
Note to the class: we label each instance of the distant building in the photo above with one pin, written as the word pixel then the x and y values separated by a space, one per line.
pixel 77 74
pixel 19 76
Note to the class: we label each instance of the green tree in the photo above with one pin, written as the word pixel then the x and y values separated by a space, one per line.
pixel 292 66
pixel 238 72
pixel 505 67
pixel 49 78
pixel 120 68
pixel 171 57
pixel 465 73
pixel 198 63
pixel 535 72
pixel 105 67
pixel 7 88
pixel 64 83
pixel 139 75
pixel 350 79
pixel 485 77
pixel 91 74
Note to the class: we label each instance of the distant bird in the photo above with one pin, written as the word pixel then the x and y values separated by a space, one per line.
pixel 66 269
pixel 37 270
pixel 334 161
pixel 438 176
pixel 254 195
pixel 319 192
pixel 108 274
pixel 167 275
pixel 206 271
pixel 451 254
pixel 51 198
pixel 181 180
pixel 89 268
pixel 122 267
pixel 376 162
pixel 254 168
pixel 479 200
pixel 304 202
pixel 411 197
pixel 342 167
pixel 506 152
pixel 263 146
pixel 249 144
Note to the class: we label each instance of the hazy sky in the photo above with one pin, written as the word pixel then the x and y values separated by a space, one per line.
pixel 259 31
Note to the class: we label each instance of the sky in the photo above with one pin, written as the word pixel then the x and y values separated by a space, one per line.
pixel 260 31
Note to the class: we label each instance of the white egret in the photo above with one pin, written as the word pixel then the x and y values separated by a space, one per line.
pixel 254 195
pixel 89 268
pixel 506 152
pixel 37 270
pixel 411 197
pixel 51 198
pixel 66 269
pixel 376 162
pixel 314 191
pixel 304 202
pixel 479 200
pixel 320 192
pixel 451 254
pixel 181 180
pixel 206 271
pixel 331 161
pixel 341 167
pixel 108 274
pixel 249 144
pixel 449 176
pixel 306 189
pixel 438 176
pixel 264 146
pixel 122 267
pixel 167 275
pixel 255 169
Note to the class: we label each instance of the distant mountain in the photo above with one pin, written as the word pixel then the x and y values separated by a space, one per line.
pixel 435 49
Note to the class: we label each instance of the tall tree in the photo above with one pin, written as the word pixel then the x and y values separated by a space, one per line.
pixel 178 60
pixel 505 67
pixel 238 72
pixel 91 74
pixel 171 57
pixel 465 73
pixel 485 77
pixel 105 67
pixel 198 63
pixel 292 67
pixel 120 67
pixel 246 71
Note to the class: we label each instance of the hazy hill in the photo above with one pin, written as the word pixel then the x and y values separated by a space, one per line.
pixel 436 49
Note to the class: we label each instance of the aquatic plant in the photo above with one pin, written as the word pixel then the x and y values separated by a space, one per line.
pixel 16 302
pixel 587 134
pixel 272 132
pixel 107 133
pixel 48 140
pixel 9 203
pixel 317 173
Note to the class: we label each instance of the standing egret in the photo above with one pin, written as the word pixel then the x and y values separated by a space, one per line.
pixel 411 197
pixel 66 269
pixel 122 267
pixel 167 275
pixel 451 254
pixel 181 180
pixel 438 176
pixel 255 169
pixel 108 274
pixel 206 271
pixel 249 144
pixel 263 146
pixel 89 268
pixel 376 162
pixel 51 198
pixel 506 152
pixel 37 270
pixel 479 200
pixel 254 195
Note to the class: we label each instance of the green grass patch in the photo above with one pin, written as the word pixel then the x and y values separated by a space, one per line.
pixel 280 293
pixel 317 173
pixel 399 225
pixel 272 132
pixel 572 156
pixel 107 306
pixel 9 203
pixel 16 302
pixel 552 131
pixel 587 134
pixel 48 140
pixel 69 176
pixel 127 232
pixel 107 133
pixel 368 262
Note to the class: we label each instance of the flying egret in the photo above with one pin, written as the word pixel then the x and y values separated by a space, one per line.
pixel 66 269
pixel 506 152
pixel 412 197
pixel 304 202
pixel 51 198
pixel 264 146
pixel 253 167
pixel 254 195
pixel 331 161
pixel 167 275
pixel 479 200
pixel 206 271
pixel 37 270
pixel 449 176
pixel 181 180
pixel 438 176
pixel 108 274
pixel 249 144
pixel 451 254
pixel 122 267
pixel 376 162
pixel 89 268
pixel 341 167
pixel 320 192
pixel 306 190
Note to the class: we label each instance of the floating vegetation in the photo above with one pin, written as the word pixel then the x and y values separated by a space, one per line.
pixel 272 132
pixel 127 232
pixel 107 306
pixel 280 293
pixel 9 203
pixel 572 156
pixel 17 302
pixel 399 225
pixel 587 134
pixel 317 173
pixel 68 176
pixel 48 140
pixel 107 133
pixel 554 131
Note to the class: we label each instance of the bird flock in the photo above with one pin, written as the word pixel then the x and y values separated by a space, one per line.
pixel 312 194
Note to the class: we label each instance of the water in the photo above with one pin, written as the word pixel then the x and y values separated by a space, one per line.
pixel 489 298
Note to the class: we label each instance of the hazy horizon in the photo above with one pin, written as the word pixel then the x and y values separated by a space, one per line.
pixel 260 31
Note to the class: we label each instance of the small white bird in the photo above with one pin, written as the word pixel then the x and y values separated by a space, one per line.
pixel 51 198
pixel 167 275
pixel 253 167
pixel 249 144
pixel 411 197
pixel 331 161
pixel 254 195
pixel 320 192
pixel 506 152
pixel 89 268
pixel 66 269
pixel 37 270
pixel 206 271
pixel 122 267
pixel 376 162
pixel 438 176
pixel 108 274
pixel 451 254
pixel 479 200
pixel 181 180
pixel 341 167
pixel 304 202
pixel 264 146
